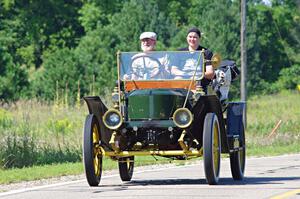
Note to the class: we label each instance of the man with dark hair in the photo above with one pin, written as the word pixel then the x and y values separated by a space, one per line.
pixel 193 40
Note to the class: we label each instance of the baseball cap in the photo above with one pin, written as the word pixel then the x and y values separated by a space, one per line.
pixel 150 35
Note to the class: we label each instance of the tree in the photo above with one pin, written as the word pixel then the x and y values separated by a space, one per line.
pixel 13 79
pixel 269 43
pixel 83 36
pixel 60 75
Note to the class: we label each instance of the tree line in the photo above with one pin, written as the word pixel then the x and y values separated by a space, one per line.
pixel 51 47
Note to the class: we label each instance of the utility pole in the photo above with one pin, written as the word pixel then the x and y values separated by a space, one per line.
pixel 243 52
pixel 243 61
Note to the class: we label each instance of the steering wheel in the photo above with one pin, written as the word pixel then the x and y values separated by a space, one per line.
pixel 142 55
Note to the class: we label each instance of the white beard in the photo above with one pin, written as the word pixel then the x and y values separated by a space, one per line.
pixel 147 48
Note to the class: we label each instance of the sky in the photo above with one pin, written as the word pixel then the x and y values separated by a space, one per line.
pixel 267 2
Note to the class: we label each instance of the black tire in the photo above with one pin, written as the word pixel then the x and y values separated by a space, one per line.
pixel 238 160
pixel 126 166
pixel 211 148
pixel 92 155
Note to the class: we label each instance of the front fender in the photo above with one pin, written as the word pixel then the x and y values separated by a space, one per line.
pixel 98 108
pixel 208 104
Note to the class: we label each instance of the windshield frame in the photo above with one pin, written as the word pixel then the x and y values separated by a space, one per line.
pixel 200 64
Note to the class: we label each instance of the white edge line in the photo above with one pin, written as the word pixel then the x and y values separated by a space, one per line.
pixel 82 180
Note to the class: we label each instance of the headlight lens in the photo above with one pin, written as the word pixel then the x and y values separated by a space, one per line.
pixel 115 97
pixel 182 117
pixel 112 119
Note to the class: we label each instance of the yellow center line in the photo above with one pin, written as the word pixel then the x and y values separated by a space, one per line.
pixel 286 194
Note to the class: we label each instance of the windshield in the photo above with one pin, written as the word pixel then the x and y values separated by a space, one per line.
pixel 163 65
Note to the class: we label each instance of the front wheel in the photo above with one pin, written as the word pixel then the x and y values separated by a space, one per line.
pixel 211 148
pixel 92 154
pixel 126 166
pixel 238 160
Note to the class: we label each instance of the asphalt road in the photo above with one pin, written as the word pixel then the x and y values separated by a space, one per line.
pixel 270 177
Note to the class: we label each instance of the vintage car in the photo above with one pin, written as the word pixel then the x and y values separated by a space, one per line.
pixel 161 108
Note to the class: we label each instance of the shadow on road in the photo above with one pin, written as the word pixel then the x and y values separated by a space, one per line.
pixel 262 180
pixel 140 183
pixel 167 182
pixel 200 182
pixel 222 181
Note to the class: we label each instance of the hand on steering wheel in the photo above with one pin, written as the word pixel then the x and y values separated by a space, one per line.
pixel 143 56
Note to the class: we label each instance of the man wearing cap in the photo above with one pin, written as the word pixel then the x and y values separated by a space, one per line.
pixel 148 41
pixel 144 65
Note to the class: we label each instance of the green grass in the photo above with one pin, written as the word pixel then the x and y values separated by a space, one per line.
pixel 34 133
pixel 265 112
pixel 39 172
pixel 272 150
pixel 55 170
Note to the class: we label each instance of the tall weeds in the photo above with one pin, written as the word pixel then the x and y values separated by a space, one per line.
pixel 36 133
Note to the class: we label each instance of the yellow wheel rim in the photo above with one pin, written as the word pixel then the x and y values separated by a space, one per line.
pixel 97 152
pixel 216 148
pixel 241 158
pixel 128 163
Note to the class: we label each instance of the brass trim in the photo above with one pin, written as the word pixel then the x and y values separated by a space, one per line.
pixel 196 153
pixel 112 142
pixel 216 60
pixel 116 126
pixel 119 82
pixel 181 141
pixel 189 113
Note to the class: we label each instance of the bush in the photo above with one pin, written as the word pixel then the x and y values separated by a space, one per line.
pixel 289 77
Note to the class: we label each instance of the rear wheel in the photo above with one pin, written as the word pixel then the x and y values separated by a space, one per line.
pixel 211 148
pixel 126 166
pixel 92 154
pixel 238 160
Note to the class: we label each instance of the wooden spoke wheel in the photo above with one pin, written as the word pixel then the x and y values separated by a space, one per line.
pixel 92 155
pixel 238 159
pixel 126 166
pixel 211 148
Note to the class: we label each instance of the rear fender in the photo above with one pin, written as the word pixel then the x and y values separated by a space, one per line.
pixel 235 124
